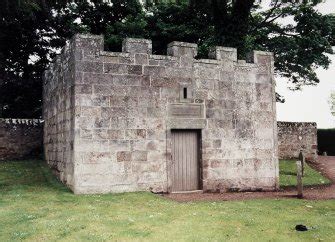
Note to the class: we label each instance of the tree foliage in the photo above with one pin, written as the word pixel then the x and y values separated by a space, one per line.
pixel 33 30
pixel 24 29
pixel 299 48
pixel 30 34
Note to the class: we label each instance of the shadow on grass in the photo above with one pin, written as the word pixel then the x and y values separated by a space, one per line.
pixel 288 173
pixel 29 174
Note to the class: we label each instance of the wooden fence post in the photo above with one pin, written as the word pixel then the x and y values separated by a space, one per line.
pixel 302 159
pixel 299 179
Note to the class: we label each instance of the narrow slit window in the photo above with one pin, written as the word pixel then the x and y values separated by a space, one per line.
pixel 185 92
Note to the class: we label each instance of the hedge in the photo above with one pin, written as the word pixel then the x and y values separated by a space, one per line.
pixel 326 141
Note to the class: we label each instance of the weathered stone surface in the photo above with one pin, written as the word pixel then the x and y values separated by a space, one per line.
pixel 186 110
pixel 294 137
pixel 123 156
pixel 182 49
pixel 59 111
pixel 221 53
pixel 136 46
pixel 108 125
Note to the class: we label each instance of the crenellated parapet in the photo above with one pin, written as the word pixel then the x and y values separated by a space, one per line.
pixel 91 46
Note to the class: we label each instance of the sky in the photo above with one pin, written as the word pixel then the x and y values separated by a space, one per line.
pixel 312 103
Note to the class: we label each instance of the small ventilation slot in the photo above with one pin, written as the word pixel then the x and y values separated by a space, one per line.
pixel 185 92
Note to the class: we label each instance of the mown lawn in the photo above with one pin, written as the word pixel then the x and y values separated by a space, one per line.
pixel 288 175
pixel 35 207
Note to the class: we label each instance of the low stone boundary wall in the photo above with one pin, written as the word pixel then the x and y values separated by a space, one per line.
pixel 296 136
pixel 20 138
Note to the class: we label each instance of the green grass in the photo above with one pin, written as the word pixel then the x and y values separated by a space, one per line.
pixel 288 175
pixel 35 207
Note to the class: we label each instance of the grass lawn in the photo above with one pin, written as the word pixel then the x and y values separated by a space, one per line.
pixel 35 207
pixel 288 174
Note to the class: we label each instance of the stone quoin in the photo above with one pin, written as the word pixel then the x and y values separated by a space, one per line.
pixel 135 121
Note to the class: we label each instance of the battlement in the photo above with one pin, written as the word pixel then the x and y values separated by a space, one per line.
pixel 93 46
pixel 85 53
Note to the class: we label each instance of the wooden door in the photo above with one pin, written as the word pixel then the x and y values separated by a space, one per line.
pixel 185 160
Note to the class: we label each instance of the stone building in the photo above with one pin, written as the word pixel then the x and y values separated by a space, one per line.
pixel 131 121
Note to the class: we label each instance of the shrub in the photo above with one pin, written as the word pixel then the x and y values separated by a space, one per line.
pixel 326 141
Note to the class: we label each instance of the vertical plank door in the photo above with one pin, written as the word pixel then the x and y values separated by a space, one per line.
pixel 185 160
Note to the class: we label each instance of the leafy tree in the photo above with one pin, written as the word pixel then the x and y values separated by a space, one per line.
pixel 115 21
pixel 31 33
pixel 20 41
pixel 299 48
pixel 173 22
pixel 27 42
pixel 332 22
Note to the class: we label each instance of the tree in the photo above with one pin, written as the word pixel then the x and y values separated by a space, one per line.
pixel 115 21
pixel 299 48
pixel 28 39
pixel 178 22
pixel 32 32
pixel 23 56
pixel 332 22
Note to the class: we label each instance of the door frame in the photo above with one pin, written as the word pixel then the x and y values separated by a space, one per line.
pixel 169 157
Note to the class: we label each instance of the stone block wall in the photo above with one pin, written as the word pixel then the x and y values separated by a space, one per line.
pixel 20 138
pixel 58 115
pixel 296 136
pixel 110 119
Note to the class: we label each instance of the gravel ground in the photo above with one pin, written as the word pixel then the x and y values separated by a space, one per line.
pixel 324 164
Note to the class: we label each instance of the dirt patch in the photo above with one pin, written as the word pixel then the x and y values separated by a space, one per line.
pixel 324 164
pixel 310 193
